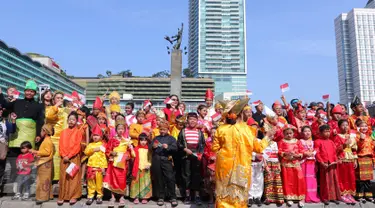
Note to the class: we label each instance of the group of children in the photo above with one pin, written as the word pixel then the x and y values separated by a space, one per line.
pixel 326 157
pixel 329 159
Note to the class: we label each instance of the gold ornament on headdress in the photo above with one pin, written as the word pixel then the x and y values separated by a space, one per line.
pixel 247 108
pixel 102 115
pixel 115 108
pixel 114 94
pixel 218 106
pixel 160 114
pixel 182 119
pixel 120 122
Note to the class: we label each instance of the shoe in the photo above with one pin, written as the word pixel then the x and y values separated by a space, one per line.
pixel 336 202
pixel 301 204
pixel 351 198
pixel 198 201
pixel 17 196
pixel 136 201
pixel 122 202
pixel 250 203
pixel 289 203
pixel 258 202
pixel 362 200
pixel 112 202
pixel 187 200
pixel 60 203
pixel 89 201
pixel 99 201
pixel 345 200
pixel 144 201
pixel 370 200
pixel 326 203
pixel 160 202
pixel 25 197
pixel 72 202
pixel 174 203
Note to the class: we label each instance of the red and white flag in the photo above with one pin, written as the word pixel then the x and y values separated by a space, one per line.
pixel 68 97
pixel 130 119
pixel 284 87
pixel 353 134
pixel 146 103
pixel 168 101
pixel 249 92
pixel 147 127
pixel 216 117
pixel 326 98
pixel 72 170
pixel 16 94
pixel 256 103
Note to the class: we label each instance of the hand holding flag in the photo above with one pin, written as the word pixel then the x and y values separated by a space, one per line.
pixel 168 101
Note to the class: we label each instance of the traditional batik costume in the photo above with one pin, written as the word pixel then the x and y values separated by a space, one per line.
pixel 364 170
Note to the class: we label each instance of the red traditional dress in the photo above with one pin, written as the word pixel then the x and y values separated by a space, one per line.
pixel 334 125
pixel 346 154
pixel 115 178
pixel 208 162
pixel 353 118
pixel 326 153
pixel 150 117
pixel 365 166
pixel 298 123
pixel 315 130
pixel 294 185
pixel 171 114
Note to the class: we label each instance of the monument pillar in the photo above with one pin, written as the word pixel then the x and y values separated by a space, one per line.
pixel 176 72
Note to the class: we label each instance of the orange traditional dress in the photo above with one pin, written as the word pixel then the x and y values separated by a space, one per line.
pixel 234 145
pixel 70 146
pixel 353 118
pixel 293 179
pixel 364 172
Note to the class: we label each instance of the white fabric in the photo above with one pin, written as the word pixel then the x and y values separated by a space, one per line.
pixel 210 112
pixel 271 149
pixel 3 136
pixel 257 180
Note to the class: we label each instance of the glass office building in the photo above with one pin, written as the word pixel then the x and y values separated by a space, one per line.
pixel 17 68
pixel 217 43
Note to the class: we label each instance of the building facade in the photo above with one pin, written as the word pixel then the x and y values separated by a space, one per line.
pixel 16 68
pixel 355 47
pixel 138 89
pixel 217 43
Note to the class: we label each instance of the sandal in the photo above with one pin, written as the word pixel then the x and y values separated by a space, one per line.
pixel 89 201
pixel 122 202
pixel 60 202
pixel 144 201
pixel 174 203
pixel 99 201
pixel 136 201
pixel 160 202
pixel 72 202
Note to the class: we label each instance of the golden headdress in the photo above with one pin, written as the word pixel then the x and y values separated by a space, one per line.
pixel 234 106
pixel 182 119
pixel 120 122
pixel 218 106
pixel 164 124
pixel 114 94
pixel 115 108
pixel 48 128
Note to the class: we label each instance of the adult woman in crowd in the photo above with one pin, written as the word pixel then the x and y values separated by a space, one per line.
pixel 171 111
pixel 234 143
pixel 47 96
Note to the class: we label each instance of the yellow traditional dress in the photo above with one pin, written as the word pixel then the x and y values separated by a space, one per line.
pixel 134 131
pixel 96 164
pixel 175 132
pixel 234 145
pixel 44 171
pixel 57 117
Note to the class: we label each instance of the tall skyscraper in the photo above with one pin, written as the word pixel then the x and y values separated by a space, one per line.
pixel 217 43
pixel 355 46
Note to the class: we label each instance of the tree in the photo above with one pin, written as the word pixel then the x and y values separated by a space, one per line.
pixel 100 76
pixel 109 73
pixel 164 73
pixel 126 73
pixel 188 72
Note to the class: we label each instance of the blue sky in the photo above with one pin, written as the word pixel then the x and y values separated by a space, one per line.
pixel 287 41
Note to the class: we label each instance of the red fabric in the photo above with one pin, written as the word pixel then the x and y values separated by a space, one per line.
pixel 337 109
pixel 150 117
pixel 209 94
pixel 98 104
pixel 168 112
pixel 115 178
pixel 92 121
pixel 315 130
pixel 294 184
pixel 339 142
pixel 333 125
pixel 325 151
pixel 329 186
pixel 24 163
pixel 296 122
pixel 251 122
pixel 136 160
pixel 346 177
pixel 97 131
pixel 91 172
pixel 288 146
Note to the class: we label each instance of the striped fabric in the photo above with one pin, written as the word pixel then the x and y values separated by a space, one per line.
pixel 192 138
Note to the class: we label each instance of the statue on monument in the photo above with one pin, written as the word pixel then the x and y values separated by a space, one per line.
pixel 177 39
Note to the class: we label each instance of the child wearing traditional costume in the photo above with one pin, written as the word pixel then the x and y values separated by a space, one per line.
pixel 70 149
pixel 44 165
pixel 334 118
pixel 180 124
pixel 204 124
pixel 97 162
pixel 365 155
pixel 291 152
pixel 141 187
pixel 118 149
pixel 208 161
pixel 150 116
pixel 114 111
pixel 346 145
pixel 163 179
pixel 320 119
pixel 327 159
pixel 130 117
pixel 136 129
pixel 160 117
pixel 102 121
pixel 360 112
pixel 308 166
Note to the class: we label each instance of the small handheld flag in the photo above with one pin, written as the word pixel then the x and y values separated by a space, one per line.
pixel 326 98
pixel 284 87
